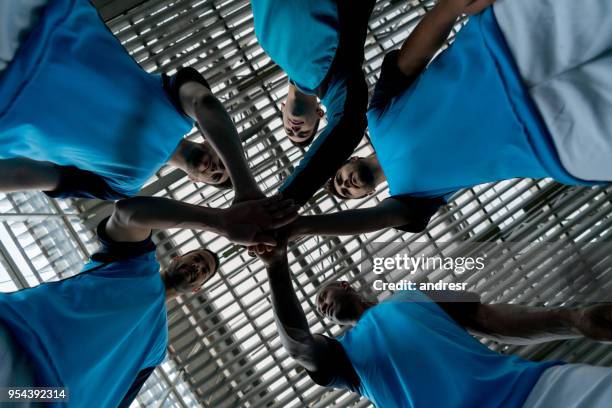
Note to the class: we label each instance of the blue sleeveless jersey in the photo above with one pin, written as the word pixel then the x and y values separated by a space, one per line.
pixel 408 352
pixel 94 332
pixel 466 120
pixel 300 36
pixel 74 96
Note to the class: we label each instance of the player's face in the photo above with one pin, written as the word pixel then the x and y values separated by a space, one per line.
pixel 205 166
pixel 338 302
pixel 300 119
pixel 355 179
pixel 195 268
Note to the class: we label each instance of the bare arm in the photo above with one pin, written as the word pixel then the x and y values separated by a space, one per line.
pixel 431 33
pixel 134 218
pixel 311 352
pixel 514 324
pixel 199 103
pixel 24 174
pixel 389 213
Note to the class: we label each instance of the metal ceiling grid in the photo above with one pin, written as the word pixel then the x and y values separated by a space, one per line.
pixel 224 351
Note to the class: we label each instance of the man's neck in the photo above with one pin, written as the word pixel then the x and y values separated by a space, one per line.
pixel 296 94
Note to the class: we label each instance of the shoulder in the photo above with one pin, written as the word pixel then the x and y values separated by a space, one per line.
pixel 337 371
pixel 391 82
pixel 111 250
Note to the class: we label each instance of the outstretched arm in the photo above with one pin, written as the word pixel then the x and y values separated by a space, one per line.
pixel 431 33
pixel 514 324
pixel 412 216
pixel 134 218
pixel 311 352
pixel 528 325
pixel 199 103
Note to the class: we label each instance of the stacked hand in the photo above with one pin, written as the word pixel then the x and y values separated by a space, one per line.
pixel 277 253
pixel 249 222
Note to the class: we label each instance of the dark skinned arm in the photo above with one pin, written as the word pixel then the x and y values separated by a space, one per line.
pixel 311 352
pixel 389 213
pixel 514 324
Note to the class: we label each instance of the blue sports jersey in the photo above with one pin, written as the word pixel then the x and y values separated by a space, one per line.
pixel 407 352
pixel 95 332
pixel 74 97
pixel 301 36
pixel 466 120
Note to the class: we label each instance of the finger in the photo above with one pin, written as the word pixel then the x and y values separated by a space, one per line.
pixel 263 240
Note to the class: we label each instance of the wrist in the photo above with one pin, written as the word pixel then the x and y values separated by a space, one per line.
pixel 569 318
pixel 275 262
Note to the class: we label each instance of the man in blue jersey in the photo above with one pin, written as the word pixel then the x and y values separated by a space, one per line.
pixel 79 123
pixel 102 332
pixel 415 350
pixel 475 114
pixel 320 45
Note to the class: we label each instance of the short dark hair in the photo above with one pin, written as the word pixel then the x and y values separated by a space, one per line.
pixel 307 142
pixel 329 284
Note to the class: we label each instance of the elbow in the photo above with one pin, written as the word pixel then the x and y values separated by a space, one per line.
pixel 408 222
pixel 124 212
pixel 306 361
pixel 204 100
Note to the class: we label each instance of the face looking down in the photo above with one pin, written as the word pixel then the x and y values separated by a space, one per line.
pixel 355 179
pixel 338 302
pixel 301 118
pixel 205 166
pixel 187 273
